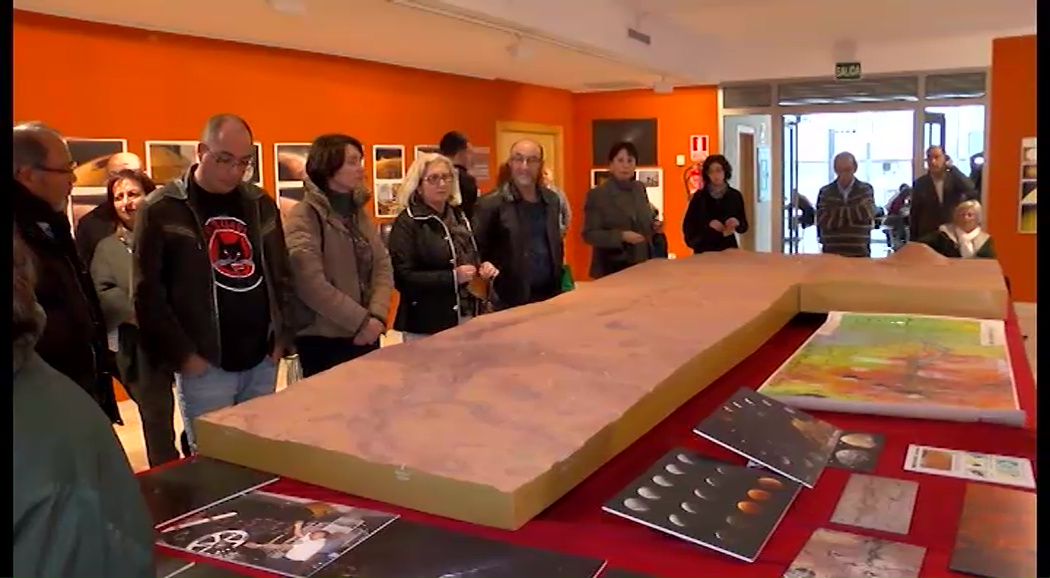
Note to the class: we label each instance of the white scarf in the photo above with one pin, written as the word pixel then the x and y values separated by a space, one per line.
pixel 966 242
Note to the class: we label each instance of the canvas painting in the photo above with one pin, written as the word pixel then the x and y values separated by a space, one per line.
pixel 831 554
pixel 275 533
pixel 917 366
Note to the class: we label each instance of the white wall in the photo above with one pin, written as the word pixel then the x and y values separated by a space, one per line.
pixel 762 220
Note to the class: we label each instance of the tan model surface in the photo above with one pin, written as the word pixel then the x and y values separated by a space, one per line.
pixel 494 420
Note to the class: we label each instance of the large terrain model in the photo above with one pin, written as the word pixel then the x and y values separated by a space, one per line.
pixel 493 421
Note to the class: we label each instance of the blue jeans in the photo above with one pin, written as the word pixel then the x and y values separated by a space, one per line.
pixel 216 388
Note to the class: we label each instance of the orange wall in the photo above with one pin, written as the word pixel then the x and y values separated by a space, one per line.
pixel 162 91
pixel 685 112
pixel 1012 116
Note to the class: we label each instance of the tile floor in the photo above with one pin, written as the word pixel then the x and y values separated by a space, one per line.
pixel 131 433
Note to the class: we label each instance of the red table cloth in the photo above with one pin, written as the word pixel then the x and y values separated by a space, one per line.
pixel 576 524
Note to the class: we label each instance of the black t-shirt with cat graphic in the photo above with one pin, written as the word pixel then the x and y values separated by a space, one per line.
pixel 240 290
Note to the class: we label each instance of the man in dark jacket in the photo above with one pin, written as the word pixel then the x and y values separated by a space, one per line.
pixel 101 221
pixel 74 341
pixel 214 291
pixel 78 510
pixel 455 146
pixel 936 194
pixel 517 228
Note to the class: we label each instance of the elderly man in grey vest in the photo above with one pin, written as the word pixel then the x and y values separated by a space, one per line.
pixel 846 211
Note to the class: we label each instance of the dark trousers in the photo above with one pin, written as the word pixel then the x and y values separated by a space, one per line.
pixel 317 354
pixel 152 393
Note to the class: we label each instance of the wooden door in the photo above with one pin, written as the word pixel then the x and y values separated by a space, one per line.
pixel 746 180
pixel 548 136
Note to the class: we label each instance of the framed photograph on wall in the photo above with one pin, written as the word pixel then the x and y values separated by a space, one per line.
pixel 639 131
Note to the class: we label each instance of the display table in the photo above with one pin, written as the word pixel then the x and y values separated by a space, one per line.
pixel 576 524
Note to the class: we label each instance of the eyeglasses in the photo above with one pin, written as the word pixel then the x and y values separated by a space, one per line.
pixel 438 179
pixel 58 171
pixel 229 160
pixel 528 161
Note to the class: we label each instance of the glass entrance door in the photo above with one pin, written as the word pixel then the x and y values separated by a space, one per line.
pixel 881 141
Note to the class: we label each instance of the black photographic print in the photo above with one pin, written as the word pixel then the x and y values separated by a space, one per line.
pixel 641 132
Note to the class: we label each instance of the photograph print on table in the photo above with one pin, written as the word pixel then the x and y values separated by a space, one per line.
pixel 995 469
pixel 857 451
pixel 997 532
pixel 785 440
pixel 877 503
pixel 728 508
pixel 90 157
pixel 434 551
pixel 167 160
pixel 275 533
pixel 831 554
pixel 185 488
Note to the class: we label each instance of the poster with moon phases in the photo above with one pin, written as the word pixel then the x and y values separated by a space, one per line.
pixel 785 440
pixel 730 509
pixel 857 451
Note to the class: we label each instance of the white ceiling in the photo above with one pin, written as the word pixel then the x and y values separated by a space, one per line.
pixel 693 40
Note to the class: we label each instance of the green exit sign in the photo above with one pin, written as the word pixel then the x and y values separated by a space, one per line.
pixel 847 71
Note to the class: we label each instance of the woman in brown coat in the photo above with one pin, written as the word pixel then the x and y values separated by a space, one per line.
pixel 341 267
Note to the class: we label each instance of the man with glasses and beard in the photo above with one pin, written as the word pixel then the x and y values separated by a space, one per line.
pixel 517 228
pixel 214 293
pixel 74 339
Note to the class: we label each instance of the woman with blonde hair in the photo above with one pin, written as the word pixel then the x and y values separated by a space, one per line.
pixel 963 238
pixel 433 252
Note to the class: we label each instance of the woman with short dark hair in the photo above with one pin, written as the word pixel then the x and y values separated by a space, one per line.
pixel 618 220
pixel 112 270
pixel 715 215
pixel 341 267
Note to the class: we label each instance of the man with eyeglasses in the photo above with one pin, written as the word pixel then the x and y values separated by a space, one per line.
pixel 74 339
pixel 214 291
pixel 518 229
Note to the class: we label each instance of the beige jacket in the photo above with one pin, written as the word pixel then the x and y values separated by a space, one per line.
pixel 326 281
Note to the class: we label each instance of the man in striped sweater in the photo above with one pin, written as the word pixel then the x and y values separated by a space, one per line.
pixel 846 211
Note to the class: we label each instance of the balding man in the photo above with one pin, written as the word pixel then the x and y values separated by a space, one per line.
pixel 936 194
pixel 214 290
pixel 518 229
pixel 845 211
pixel 101 221
pixel 74 339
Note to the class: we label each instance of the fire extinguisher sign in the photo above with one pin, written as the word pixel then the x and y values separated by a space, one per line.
pixel 698 147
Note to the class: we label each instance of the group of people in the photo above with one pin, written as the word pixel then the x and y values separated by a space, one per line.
pixel 944 213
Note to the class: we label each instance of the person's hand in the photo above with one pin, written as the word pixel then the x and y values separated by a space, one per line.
pixel 488 271
pixel 732 223
pixel 464 273
pixel 277 353
pixel 632 238
pixel 717 225
pixel 658 226
pixel 370 332
pixel 194 366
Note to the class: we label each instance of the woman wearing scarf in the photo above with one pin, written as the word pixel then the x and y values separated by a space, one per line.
pixel 341 267
pixel 618 220
pixel 963 238
pixel 716 212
